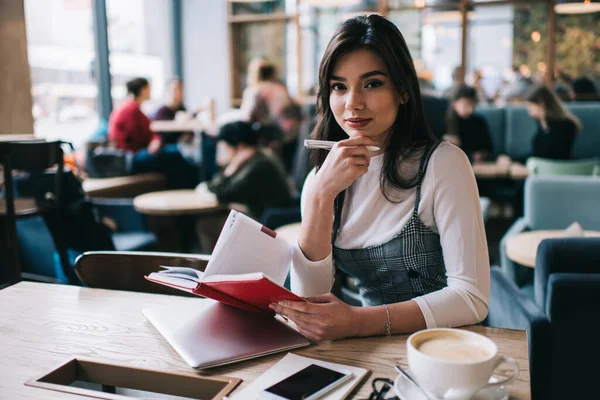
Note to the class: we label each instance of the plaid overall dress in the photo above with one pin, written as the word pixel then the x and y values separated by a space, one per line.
pixel 408 266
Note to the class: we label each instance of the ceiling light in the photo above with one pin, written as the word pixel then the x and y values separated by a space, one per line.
pixel 577 6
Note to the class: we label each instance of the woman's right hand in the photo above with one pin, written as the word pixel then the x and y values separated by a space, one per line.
pixel 347 160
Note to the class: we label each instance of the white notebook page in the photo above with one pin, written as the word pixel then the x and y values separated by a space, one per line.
pixel 243 248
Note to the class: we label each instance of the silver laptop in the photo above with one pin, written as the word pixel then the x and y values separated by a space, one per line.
pixel 207 333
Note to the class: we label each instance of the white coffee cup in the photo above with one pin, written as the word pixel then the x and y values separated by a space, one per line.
pixel 455 363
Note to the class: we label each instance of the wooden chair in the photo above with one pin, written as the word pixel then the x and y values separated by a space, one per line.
pixel 33 157
pixel 126 270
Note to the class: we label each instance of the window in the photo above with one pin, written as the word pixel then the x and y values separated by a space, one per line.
pixel 140 45
pixel 433 37
pixel 490 47
pixel 61 57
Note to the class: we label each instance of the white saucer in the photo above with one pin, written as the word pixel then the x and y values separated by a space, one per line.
pixel 408 391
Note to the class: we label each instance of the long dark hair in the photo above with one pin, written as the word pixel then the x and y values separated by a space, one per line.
pixel 463 92
pixel 410 135
pixel 553 107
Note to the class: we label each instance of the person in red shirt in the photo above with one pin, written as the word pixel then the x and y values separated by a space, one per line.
pixel 129 129
pixel 128 126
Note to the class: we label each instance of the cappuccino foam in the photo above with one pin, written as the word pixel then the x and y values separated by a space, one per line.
pixel 454 349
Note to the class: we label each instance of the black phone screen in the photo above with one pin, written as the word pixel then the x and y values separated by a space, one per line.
pixel 305 383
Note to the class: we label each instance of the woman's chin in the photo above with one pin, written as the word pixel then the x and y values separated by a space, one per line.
pixel 360 132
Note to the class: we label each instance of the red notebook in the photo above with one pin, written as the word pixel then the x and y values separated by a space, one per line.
pixel 246 270
pixel 252 292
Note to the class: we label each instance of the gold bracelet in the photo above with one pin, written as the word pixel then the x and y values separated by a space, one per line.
pixel 388 323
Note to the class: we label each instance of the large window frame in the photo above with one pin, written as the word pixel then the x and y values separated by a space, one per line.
pixel 100 27
pixel 383 8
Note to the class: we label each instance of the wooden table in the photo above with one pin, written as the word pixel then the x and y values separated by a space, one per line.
pixel 522 248
pixel 176 202
pixel 18 138
pixel 177 126
pixel 43 325
pixel 124 186
pixel 494 170
pixel 289 232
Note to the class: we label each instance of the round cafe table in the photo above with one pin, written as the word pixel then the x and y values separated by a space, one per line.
pixel 180 204
pixel 522 248
pixel 494 170
pixel 176 202
pixel 289 232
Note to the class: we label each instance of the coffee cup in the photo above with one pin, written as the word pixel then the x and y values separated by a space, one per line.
pixel 455 363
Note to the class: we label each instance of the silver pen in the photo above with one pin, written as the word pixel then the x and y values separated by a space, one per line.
pixel 327 145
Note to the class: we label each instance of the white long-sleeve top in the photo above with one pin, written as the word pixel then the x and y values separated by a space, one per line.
pixel 449 206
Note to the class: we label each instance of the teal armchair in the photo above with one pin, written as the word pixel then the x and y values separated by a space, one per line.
pixel 552 202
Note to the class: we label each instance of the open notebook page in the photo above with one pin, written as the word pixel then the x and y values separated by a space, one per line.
pixel 186 273
pixel 245 246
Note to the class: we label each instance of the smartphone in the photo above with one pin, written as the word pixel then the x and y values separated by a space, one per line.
pixel 308 384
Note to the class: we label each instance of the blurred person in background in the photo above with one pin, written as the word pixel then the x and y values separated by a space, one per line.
pixel 266 101
pixel 456 84
pixel 557 127
pixel 555 136
pixel 515 88
pixel 174 108
pixel 478 86
pixel 129 129
pixel 249 177
pixel 465 129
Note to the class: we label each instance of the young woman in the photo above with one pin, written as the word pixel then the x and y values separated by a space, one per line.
pixel 557 127
pixel 466 129
pixel 404 221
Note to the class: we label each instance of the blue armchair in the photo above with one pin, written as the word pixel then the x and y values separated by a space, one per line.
pixel 562 321
pixel 552 202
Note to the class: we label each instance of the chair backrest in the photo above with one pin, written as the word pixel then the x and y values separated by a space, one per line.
pixel 544 166
pixel 495 119
pixel 126 270
pixel 555 202
pixel 567 289
pixel 34 156
pixel 520 130
pixel 435 109
pixel 587 142
pixel 301 164
pixel 209 155
pixel 573 301
pixel 574 255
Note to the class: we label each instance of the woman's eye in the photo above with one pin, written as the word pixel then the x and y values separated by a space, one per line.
pixel 337 86
pixel 373 84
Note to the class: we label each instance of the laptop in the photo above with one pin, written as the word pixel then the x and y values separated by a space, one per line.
pixel 208 334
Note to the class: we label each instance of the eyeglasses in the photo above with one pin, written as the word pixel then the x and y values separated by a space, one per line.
pixel 381 386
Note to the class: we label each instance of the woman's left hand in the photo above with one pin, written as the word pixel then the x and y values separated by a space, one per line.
pixel 323 317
